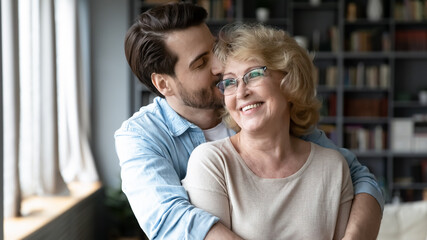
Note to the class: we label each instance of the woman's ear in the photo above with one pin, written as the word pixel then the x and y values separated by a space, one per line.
pixel 162 83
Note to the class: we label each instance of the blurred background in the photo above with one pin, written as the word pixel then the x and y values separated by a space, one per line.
pixel 66 88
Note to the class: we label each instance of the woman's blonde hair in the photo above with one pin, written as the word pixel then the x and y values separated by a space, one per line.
pixel 278 51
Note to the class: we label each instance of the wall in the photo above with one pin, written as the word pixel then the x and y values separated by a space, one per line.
pixel 110 82
pixel 1 131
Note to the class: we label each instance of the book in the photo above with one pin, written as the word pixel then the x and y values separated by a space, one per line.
pixel 365 107
pixel 423 165
pixel 384 78
pixel 420 136
pixel 402 133
pixel 331 76
pixel 364 138
pixel 360 75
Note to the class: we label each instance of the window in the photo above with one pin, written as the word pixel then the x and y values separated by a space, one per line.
pixel 45 76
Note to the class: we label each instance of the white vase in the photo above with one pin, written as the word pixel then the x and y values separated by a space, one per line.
pixel 315 2
pixel 374 10
pixel 262 14
pixel 422 97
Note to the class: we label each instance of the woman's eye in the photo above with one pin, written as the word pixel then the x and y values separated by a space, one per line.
pixel 229 82
pixel 255 74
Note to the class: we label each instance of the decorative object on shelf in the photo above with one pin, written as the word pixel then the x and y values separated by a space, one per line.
pixel 302 41
pixel 422 97
pixel 315 2
pixel 351 12
pixel 262 14
pixel 374 10
pixel 262 11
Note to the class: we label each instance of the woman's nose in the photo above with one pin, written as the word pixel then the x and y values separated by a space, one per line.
pixel 242 90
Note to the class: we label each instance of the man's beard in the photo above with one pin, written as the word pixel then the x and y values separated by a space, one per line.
pixel 202 99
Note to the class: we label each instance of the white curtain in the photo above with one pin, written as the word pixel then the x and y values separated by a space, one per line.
pixel 10 77
pixel 45 100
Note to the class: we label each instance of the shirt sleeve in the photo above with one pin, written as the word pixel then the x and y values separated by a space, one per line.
pixel 154 190
pixel 363 180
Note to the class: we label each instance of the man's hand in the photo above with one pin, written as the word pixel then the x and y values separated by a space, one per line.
pixel 219 231
pixel 365 218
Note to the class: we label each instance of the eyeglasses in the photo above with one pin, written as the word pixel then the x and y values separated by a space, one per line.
pixel 251 79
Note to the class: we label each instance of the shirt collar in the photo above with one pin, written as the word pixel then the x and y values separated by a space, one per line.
pixel 176 124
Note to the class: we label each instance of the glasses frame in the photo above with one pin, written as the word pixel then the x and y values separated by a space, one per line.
pixel 245 79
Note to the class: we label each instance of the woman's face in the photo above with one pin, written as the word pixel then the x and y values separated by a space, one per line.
pixel 260 106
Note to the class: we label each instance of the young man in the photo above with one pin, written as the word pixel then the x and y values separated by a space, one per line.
pixel 169 49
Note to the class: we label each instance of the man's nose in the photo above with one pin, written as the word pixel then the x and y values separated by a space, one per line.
pixel 217 67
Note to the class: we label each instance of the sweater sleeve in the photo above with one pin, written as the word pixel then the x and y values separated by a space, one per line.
pixel 205 182
pixel 347 196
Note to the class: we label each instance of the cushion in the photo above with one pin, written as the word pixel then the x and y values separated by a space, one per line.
pixel 404 221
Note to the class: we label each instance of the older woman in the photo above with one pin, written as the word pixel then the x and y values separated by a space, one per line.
pixel 265 182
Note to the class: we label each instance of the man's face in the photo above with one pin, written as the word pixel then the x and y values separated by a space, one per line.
pixel 196 69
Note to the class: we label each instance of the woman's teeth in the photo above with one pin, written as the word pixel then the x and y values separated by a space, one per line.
pixel 248 107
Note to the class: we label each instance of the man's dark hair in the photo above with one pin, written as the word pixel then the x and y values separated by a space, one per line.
pixel 145 47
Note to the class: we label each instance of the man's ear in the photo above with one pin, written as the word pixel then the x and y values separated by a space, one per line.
pixel 163 83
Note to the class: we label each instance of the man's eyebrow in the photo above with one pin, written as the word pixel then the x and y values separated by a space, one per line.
pixel 197 58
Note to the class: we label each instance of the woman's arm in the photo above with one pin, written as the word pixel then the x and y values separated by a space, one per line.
pixel 347 194
pixel 206 185
pixel 340 227
pixel 206 188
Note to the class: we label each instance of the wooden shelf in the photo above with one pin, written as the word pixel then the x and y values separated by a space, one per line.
pixel 407 69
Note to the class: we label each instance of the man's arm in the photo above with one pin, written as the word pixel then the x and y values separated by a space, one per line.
pixel 153 188
pixel 219 231
pixel 365 209
pixel 368 204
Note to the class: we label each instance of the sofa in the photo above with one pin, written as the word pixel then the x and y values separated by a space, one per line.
pixel 404 221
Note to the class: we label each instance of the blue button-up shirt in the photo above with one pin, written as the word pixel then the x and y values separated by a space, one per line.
pixel 154 146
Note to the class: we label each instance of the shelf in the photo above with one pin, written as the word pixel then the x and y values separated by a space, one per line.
pixel 409 104
pixel 410 23
pixel 367 55
pixel 411 55
pixel 371 153
pixel 410 186
pixel 366 22
pixel 409 154
pixel 273 22
pixel 324 55
pixel 350 89
pixel 220 22
pixel 326 29
pixel 322 6
pixel 328 120
pixel 365 120
pixel 326 89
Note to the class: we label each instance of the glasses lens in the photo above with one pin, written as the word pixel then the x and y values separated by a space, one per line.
pixel 251 77
pixel 229 85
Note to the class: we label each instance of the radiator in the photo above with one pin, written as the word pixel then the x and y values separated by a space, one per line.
pixel 80 222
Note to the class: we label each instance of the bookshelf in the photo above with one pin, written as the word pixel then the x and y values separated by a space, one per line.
pixel 369 74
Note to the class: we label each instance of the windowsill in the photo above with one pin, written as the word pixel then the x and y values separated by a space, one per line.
pixel 43 210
